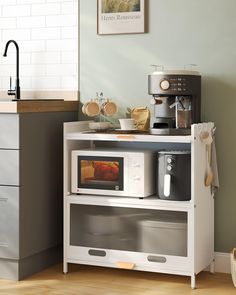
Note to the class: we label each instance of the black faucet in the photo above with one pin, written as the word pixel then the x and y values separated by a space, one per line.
pixel 15 92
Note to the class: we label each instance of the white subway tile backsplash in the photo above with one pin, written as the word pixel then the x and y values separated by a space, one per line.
pixel 61 70
pixel 31 22
pixel 46 83
pixel 7 22
pixel 20 34
pixel 7 70
pixel 68 20
pixel 5 84
pixel 16 10
pixel 46 9
pixel 33 70
pixel 8 2
pixel 47 34
pixel 69 57
pixel 24 59
pixel 25 83
pixel 61 45
pixel 69 82
pixel 30 1
pixel 69 7
pixel 53 57
pixel 32 46
pixel 69 33
pixel 49 1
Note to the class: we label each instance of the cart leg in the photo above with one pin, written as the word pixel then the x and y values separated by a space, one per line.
pixel 65 268
pixel 212 266
pixel 193 281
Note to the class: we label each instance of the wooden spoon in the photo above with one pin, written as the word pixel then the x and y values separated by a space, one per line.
pixel 209 175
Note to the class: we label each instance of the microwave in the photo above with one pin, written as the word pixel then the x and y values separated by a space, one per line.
pixel 113 172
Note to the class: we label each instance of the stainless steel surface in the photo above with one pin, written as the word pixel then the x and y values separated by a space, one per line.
pixel 170 131
pixel 162 109
pixel 169 89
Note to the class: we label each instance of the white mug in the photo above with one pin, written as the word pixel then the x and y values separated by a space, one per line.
pixel 127 124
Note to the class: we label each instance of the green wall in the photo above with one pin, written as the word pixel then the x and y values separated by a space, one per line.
pixel 180 32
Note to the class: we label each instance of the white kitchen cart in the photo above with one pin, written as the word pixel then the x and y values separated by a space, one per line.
pixel 198 212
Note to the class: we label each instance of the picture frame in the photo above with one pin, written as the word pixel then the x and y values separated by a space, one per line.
pixel 121 17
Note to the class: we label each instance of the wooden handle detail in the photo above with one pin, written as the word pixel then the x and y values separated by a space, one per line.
pixel 125 265
pixel 128 137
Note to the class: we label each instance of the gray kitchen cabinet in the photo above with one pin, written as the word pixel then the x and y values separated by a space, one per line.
pixel 9 131
pixel 9 222
pixel 31 184
pixel 9 167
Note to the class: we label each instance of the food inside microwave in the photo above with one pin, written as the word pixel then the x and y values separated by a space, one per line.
pixel 101 171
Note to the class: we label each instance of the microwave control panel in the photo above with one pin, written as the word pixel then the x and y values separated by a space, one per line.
pixel 141 182
pixel 135 177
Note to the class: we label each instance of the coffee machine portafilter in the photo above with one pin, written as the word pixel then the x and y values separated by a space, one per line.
pixel 176 100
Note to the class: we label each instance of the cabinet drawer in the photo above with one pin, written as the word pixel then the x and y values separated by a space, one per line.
pixel 9 222
pixel 129 260
pixel 9 167
pixel 9 131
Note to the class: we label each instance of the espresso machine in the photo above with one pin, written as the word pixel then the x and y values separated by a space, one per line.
pixel 176 100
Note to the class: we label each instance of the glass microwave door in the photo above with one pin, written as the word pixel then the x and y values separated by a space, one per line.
pixel 106 173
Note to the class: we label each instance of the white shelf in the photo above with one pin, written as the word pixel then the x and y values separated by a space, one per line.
pixel 200 209
pixel 128 137
pixel 145 203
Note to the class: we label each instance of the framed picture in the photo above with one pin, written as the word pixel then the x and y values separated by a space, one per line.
pixel 120 16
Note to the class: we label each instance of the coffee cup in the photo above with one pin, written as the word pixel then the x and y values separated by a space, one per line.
pixel 127 124
pixel 109 108
pixel 91 108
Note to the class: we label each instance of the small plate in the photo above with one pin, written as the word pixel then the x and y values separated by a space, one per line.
pixel 99 126
pixel 126 129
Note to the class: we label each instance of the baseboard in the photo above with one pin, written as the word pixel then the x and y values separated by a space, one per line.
pixel 14 269
pixel 222 263
pixel 39 261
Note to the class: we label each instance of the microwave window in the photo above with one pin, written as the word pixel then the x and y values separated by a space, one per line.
pixel 101 173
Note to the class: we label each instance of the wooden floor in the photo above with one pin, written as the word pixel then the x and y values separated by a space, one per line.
pixel 88 280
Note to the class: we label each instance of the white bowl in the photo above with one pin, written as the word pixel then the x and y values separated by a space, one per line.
pixel 103 224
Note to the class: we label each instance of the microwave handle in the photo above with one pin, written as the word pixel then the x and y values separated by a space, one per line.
pixel 167 181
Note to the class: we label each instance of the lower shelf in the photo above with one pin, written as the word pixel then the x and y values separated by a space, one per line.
pixel 129 260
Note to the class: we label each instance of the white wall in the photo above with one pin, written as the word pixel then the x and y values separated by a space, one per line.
pixel 47 34
pixel 180 32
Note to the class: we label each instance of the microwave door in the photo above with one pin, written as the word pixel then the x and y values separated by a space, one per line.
pixel 101 173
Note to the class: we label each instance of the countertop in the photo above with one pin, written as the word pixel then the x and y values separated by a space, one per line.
pixel 38 106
